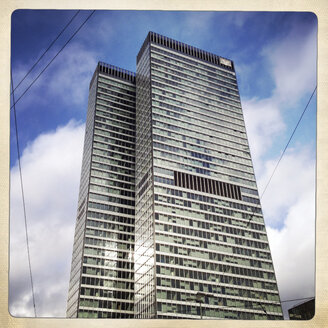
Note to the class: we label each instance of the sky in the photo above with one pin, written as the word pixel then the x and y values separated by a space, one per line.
pixel 275 60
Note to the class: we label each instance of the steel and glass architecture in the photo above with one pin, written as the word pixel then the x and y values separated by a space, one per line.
pixel 200 237
pixel 169 221
pixel 102 283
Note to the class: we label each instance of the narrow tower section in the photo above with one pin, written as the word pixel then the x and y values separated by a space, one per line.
pixel 102 271
pixel 200 233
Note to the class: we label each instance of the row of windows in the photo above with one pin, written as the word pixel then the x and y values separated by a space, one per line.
pixel 177 128
pixel 116 103
pixel 188 70
pixel 114 155
pixel 113 146
pixel 114 114
pixel 214 277
pixel 122 89
pixel 112 161
pixel 198 87
pixel 113 191
pixel 106 283
pixel 116 94
pixel 115 236
pixel 215 107
pixel 203 161
pixel 184 222
pixel 219 268
pixel 200 198
pixel 114 305
pixel 206 220
pixel 107 261
pixel 178 162
pixel 111 199
pixel 225 146
pixel 108 105
pixel 165 96
pixel 213 256
pixel 176 88
pixel 102 314
pixel 122 133
pixel 115 294
pixel 203 198
pixel 196 99
pixel 195 232
pixel 102 252
pixel 163 73
pixel 211 246
pixel 197 214
pixel 168 295
pixel 105 207
pixel 96 165
pixel 221 158
pixel 108 225
pixel 110 175
pixel 101 96
pixel 113 271
pixel 117 111
pixel 194 63
pixel 117 123
pixel 116 83
pixel 209 312
pixel 214 266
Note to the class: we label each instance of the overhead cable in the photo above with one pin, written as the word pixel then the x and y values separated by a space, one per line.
pixel 51 44
pixel 281 156
pixel 30 85
pixel 23 197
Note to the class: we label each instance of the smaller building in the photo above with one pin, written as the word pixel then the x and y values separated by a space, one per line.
pixel 303 311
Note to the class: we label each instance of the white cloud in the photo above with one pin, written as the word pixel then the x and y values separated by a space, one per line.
pixel 294 65
pixel 65 80
pixel 289 204
pixel 264 123
pixel 51 167
pixel 71 74
pixel 293 250
pixel 294 177
pixel 289 201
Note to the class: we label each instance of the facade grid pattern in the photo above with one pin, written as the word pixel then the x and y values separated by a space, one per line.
pixel 102 274
pixel 167 193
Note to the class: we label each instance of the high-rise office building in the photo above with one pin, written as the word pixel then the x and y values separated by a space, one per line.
pixel 196 192
pixel 101 283
pixel 200 245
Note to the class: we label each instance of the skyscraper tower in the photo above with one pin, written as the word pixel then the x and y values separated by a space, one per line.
pixel 101 283
pixel 169 222
pixel 201 247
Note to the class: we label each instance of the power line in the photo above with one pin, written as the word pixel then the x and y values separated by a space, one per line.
pixel 53 59
pixel 281 156
pixel 289 141
pixel 297 299
pixel 51 44
pixel 23 198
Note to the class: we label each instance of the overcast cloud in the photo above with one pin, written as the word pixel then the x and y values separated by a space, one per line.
pixel 51 167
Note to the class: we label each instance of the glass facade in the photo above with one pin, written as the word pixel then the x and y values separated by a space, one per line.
pixel 102 274
pixel 169 222
pixel 196 192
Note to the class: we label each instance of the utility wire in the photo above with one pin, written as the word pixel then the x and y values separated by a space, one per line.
pixel 23 198
pixel 297 299
pixel 51 44
pixel 53 59
pixel 281 156
pixel 289 141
